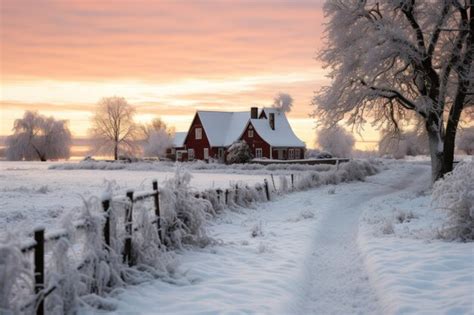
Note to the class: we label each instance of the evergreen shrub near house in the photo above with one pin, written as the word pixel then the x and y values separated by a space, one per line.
pixel 239 152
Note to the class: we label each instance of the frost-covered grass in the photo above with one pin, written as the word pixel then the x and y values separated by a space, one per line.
pixel 196 166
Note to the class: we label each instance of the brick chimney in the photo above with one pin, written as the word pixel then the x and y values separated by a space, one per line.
pixel 271 120
pixel 253 112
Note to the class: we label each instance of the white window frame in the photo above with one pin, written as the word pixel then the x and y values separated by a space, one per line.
pixel 206 153
pixel 291 154
pixel 190 154
pixel 250 133
pixel 258 153
pixel 198 133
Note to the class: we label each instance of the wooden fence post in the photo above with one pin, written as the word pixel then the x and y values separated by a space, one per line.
pixel 292 181
pixel 39 270
pixel 218 193
pixel 127 250
pixel 267 191
pixel 227 196
pixel 157 210
pixel 105 207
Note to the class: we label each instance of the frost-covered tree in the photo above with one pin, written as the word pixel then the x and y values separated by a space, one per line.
pixel 157 143
pixel 465 141
pixel 37 137
pixel 239 152
pixel 113 128
pixel 157 138
pixel 336 140
pixel 283 102
pixel 392 57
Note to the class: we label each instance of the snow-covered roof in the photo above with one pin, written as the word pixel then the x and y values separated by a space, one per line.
pixel 223 128
pixel 178 140
pixel 282 136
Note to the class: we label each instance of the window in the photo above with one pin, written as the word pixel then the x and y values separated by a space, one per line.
pixel 190 154
pixel 206 153
pixel 258 153
pixel 250 133
pixel 297 154
pixel 291 154
pixel 198 132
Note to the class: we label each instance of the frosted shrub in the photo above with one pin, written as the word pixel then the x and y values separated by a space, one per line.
pixel 215 199
pixel 239 152
pixel 65 277
pixel 356 170
pixel 184 215
pixel 16 279
pixel 455 194
pixel 97 274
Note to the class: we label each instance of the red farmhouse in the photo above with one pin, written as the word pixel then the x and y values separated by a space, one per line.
pixel 267 132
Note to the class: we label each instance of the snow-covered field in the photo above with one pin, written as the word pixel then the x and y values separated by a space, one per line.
pixel 32 194
pixel 307 254
pixel 369 247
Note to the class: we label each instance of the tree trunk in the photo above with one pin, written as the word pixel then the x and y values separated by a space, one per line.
pixel 116 151
pixel 451 128
pixel 435 138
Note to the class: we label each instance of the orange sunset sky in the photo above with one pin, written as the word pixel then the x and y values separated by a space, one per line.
pixel 168 58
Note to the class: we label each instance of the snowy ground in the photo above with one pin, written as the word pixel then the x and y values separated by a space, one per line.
pixel 306 254
pixel 357 248
pixel 32 194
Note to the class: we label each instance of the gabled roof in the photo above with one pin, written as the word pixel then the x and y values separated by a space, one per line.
pixel 178 140
pixel 223 128
pixel 282 136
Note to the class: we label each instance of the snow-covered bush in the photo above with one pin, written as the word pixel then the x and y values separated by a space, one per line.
pixel 337 141
pixel 455 194
pixel 16 278
pixel 184 215
pixel 239 152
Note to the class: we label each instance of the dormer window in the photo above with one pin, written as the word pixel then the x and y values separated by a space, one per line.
pixel 198 133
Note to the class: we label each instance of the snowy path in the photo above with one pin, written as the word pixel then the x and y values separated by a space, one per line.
pixel 339 283
pixel 306 260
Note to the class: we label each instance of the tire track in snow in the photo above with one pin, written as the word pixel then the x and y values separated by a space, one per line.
pixel 337 281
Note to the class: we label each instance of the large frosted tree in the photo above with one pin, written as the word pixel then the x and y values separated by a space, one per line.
pixel 113 128
pixel 392 60
pixel 37 137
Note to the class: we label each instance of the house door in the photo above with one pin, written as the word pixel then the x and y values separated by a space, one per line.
pixel 206 153
pixel 220 154
pixel 280 154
